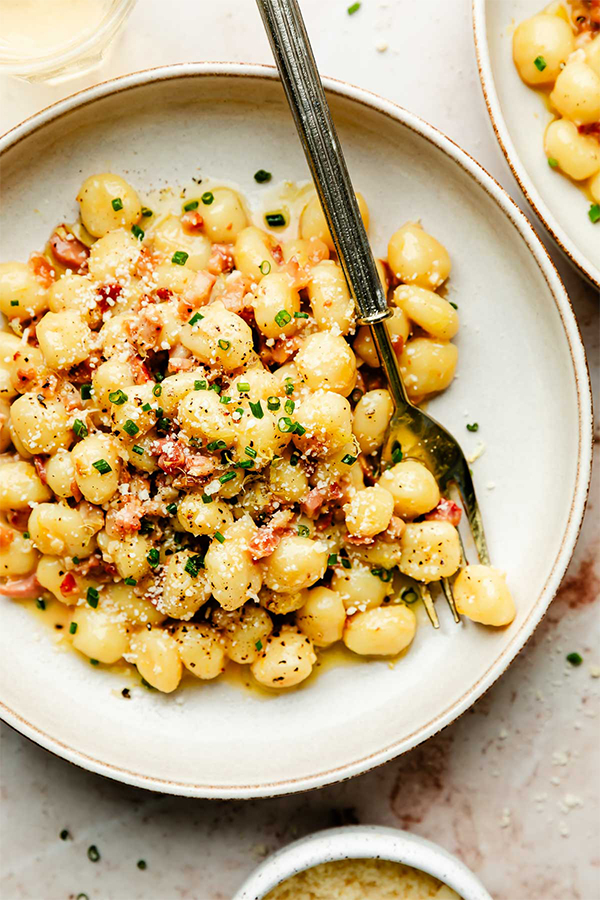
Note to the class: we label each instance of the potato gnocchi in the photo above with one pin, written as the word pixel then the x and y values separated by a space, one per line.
pixel 558 52
pixel 191 427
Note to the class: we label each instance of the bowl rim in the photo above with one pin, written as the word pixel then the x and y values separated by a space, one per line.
pixel 566 244
pixel 585 430
pixel 362 842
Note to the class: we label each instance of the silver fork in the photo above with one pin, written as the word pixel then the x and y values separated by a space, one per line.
pixel 411 431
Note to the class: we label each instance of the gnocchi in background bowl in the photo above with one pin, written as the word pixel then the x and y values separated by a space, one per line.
pixel 192 439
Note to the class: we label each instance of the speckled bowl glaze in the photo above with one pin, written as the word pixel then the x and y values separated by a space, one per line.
pixel 522 375
pixel 363 842
pixel 519 119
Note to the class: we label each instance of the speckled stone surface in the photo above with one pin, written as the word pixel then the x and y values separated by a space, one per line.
pixel 513 786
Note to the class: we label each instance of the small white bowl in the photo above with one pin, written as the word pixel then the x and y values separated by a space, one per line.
pixel 363 842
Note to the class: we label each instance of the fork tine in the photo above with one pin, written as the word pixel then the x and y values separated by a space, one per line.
pixel 427 599
pixel 449 597
pixel 465 486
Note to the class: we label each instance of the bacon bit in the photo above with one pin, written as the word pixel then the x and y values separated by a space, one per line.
pixel 367 470
pixel 40 467
pixel 42 269
pixel 68 585
pixel 146 263
pixel 125 519
pixel 298 275
pixel 395 529
pixel 69 252
pixel 359 541
pixel 83 373
pixel 145 329
pixel 192 221
pixel 234 294
pixel 398 344
pixel 592 129
pixel 101 569
pixel 221 259
pixel 181 364
pixel 373 378
pixel 174 457
pixel 75 491
pixel 197 294
pixel 7 536
pixel 49 388
pixel 268 536
pixel 139 370
pixel 277 254
pixel 282 350
pixel 164 293
pixel 109 294
pixel 318 497
pixel 18 518
pixel 445 511
pixel 21 588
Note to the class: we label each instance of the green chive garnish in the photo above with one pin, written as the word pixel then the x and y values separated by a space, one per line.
pixel 275 220
pixel 94 662
pixel 283 318
pixel 348 459
pixel 273 403
pixel 157 390
pixel 197 317
pixel 261 176
pixel 64 835
pixel 147 408
pixel 131 582
pixel 346 563
pixel 200 385
pixel 453 305
pixel 180 257
pixel 409 595
pixel 228 476
pixel 85 391
pixel 172 509
pixel 193 565
pixel 117 204
pixel 300 315
pixel 153 557
pixel 219 537
pixel 92 597
pixel 540 63
pixel 354 8
pixel 130 428
pixel 574 658
pixel 73 628
pixel 117 397
pixel 294 459
pixel 14 302
pixel 289 406
pixel 473 427
pixel 102 466
pixel 146 212
pixel 207 198
pixel 257 410
pixel 243 387
pixel 289 386
pixel 93 853
pixel 303 530
pixel 216 445
pixel 206 498
pixel 40 603
pixel 188 207
pixel 265 267
pixel 141 863
pixel 250 452
pixel 285 424
pixel 396 452
pixel 79 428
pixel 246 464
pixel 137 449
pixel 594 213
pixel 332 559
pixel 224 345
pixel 137 232
pixel 258 645
pixel 26 535
pixel 553 163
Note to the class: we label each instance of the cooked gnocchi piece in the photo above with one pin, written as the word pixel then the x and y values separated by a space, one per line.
pixel 191 425
pixel 558 52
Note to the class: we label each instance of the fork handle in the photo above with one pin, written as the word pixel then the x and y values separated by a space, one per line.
pixel 300 77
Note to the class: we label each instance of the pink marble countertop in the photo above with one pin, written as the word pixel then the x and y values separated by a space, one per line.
pixel 513 786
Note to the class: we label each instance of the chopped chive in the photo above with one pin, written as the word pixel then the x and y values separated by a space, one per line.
pixel 216 445
pixel 180 257
pixel 239 410
pixel 294 459
pixel 117 204
pixel 246 464
pixel 130 428
pixel 574 658
pixel 300 315
pixel 409 595
pixel 257 410
pixel 102 466
pixel 283 318
pixel 553 163
pixel 273 403
pixel 285 424
pixel 117 397
pixel 197 317
pixel 146 408
pixel 92 596
pixel 153 557
pixel 396 452
pixel 82 897
pixel 594 213
pixel 146 212
pixel 219 537
pixel 137 232
pixel 14 302
pixel 207 198
pixel 225 399
pixel 250 452
pixel 73 628
pixel 258 645
pixel 303 530
pixel 163 424
pixel 215 387
pixel 473 427
pixel 76 560
pixel 93 853
pixel 299 429
pixel 453 304
pixel 131 582
pixel 172 509
pixel 265 267
pixel 275 220
pixel 289 386
pixel 80 428
pixel 354 8
pixel 40 603
pixel 332 559
pixel 141 863
pixel 200 385
pixel 384 574
pixel 261 176
pixel 224 345
pixel 228 476
pixel 26 535
pixel 346 563
pixel 348 459
pixel 137 449
pixel 94 662
pixel 540 63
pixel 85 391
pixel 206 498
pixel 64 835
pixel 157 390
pixel 289 406
pixel 192 566
pixel 188 207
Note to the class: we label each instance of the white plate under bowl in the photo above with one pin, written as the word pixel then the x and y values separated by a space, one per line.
pixel 522 375
pixel 519 118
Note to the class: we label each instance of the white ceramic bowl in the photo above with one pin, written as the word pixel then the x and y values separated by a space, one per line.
pixel 363 842
pixel 522 376
pixel 519 118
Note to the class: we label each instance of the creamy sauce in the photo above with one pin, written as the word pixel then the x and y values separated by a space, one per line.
pixel 34 28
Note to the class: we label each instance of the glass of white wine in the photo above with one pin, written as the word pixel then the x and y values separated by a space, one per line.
pixel 50 40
